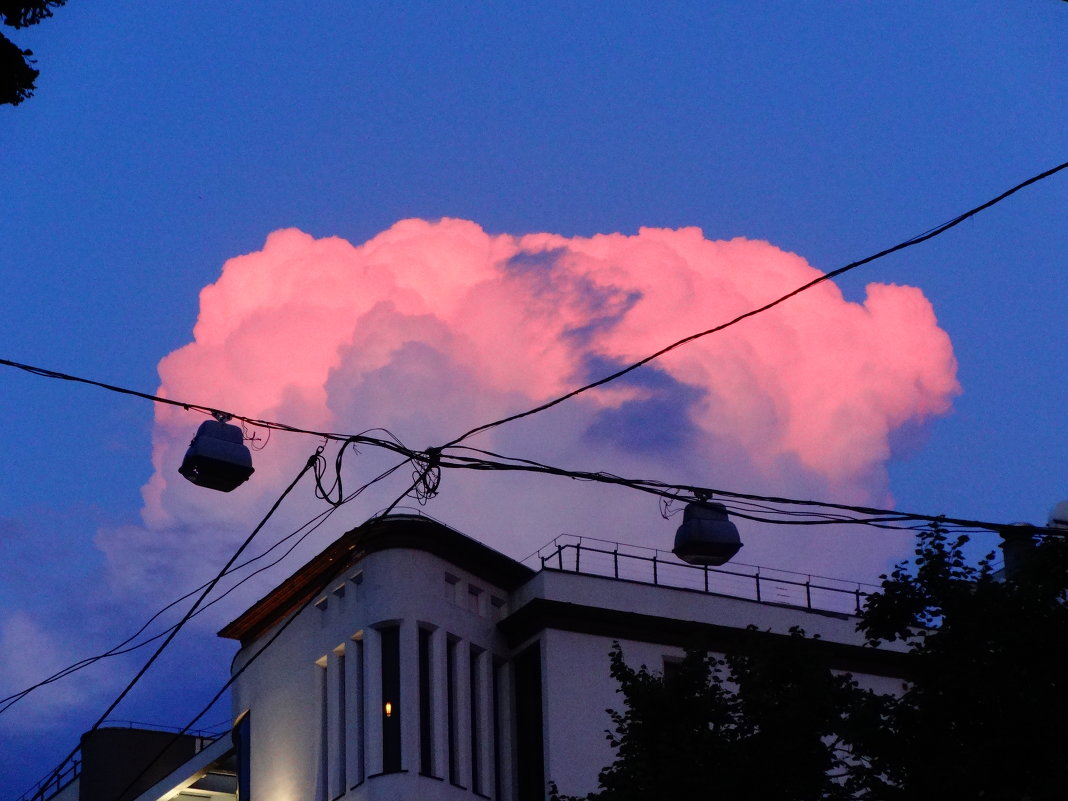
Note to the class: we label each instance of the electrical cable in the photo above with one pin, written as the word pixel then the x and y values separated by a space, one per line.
pixel 121 649
pixel 430 478
pixel 189 614
pixel 252 659
pixel 929 234
pixel 311 525
pixel 389 471
pixel 689 492
pixel 427 480
pixel 392 443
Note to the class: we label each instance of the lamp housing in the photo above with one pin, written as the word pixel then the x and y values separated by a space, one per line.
pixel 706 536
pixel 217 457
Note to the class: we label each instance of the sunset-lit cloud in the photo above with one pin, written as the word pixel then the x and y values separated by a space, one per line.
pixel 431 328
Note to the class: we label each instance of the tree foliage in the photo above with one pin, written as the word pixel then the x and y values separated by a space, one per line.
pixel 984 713
pixel 713 726
pixel 17 75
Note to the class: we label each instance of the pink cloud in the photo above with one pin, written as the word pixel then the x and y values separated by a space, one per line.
pixel 431 328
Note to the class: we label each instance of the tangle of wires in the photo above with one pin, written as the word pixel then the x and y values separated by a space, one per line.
pixel 427 464
pixel 125 646
pixel 748 506
pixel 247 663
pixel 131 643
pixel 202 593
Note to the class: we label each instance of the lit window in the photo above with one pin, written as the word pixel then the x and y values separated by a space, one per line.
pixel 389 638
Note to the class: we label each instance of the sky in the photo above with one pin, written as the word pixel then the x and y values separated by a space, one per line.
pixel 422 218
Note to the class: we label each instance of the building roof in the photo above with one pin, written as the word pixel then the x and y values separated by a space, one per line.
pixel 378 534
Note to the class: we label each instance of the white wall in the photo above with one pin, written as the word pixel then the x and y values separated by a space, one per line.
pixel 282 689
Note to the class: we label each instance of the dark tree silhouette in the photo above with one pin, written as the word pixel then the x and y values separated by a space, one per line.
pixel 768 722
pixel 983 715
pixel 17 75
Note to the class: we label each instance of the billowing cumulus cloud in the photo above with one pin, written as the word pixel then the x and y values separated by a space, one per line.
pixel 431 328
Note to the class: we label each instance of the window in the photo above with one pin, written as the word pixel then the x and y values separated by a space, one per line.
pixel 672 666
pixel 476 718
pixel 497 607
pixel 426 706
pixel 324 731
pixel 243 754
pixel 498 767
pixel 452 588
pixel 474 599
pixel 341 722
pixel 451 710
pixel 361 726
pixel 391 701
pixel 530 762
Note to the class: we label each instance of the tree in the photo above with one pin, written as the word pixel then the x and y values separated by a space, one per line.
pixel 714 724
pixel 17 76
pixel 984 713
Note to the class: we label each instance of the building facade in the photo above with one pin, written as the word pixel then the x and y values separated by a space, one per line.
pixel 408 661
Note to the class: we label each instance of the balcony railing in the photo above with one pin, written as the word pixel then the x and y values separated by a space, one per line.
pixel 598 557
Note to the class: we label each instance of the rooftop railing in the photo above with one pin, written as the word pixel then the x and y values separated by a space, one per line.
pixel 56 781
pixel 60 777
pixel 598 557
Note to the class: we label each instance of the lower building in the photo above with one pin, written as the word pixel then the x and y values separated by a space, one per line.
pixel 408 661
pixel 125 761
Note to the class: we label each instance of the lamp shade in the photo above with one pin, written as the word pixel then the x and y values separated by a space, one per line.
pixel 217 457
pixel 706 536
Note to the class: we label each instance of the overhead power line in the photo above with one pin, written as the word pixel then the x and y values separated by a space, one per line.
pixel 125 646
pixel 314 462
pixel 191 611
pixel 187 405
pixel 272 425
pixel 930 234
pixel 429 462
pixel 420 478
pixel 742 504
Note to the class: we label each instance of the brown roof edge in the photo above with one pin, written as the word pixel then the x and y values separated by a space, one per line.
pixel 378 534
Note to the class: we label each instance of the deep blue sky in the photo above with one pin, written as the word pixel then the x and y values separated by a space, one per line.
pixel 164 140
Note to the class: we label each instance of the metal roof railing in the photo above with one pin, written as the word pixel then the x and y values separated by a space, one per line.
pixel 61 776
pixel 56 780
pixel 597 557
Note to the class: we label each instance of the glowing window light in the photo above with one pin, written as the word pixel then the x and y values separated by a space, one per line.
pixel 389 709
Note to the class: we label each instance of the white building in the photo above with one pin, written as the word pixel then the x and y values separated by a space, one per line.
pixel 408 661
